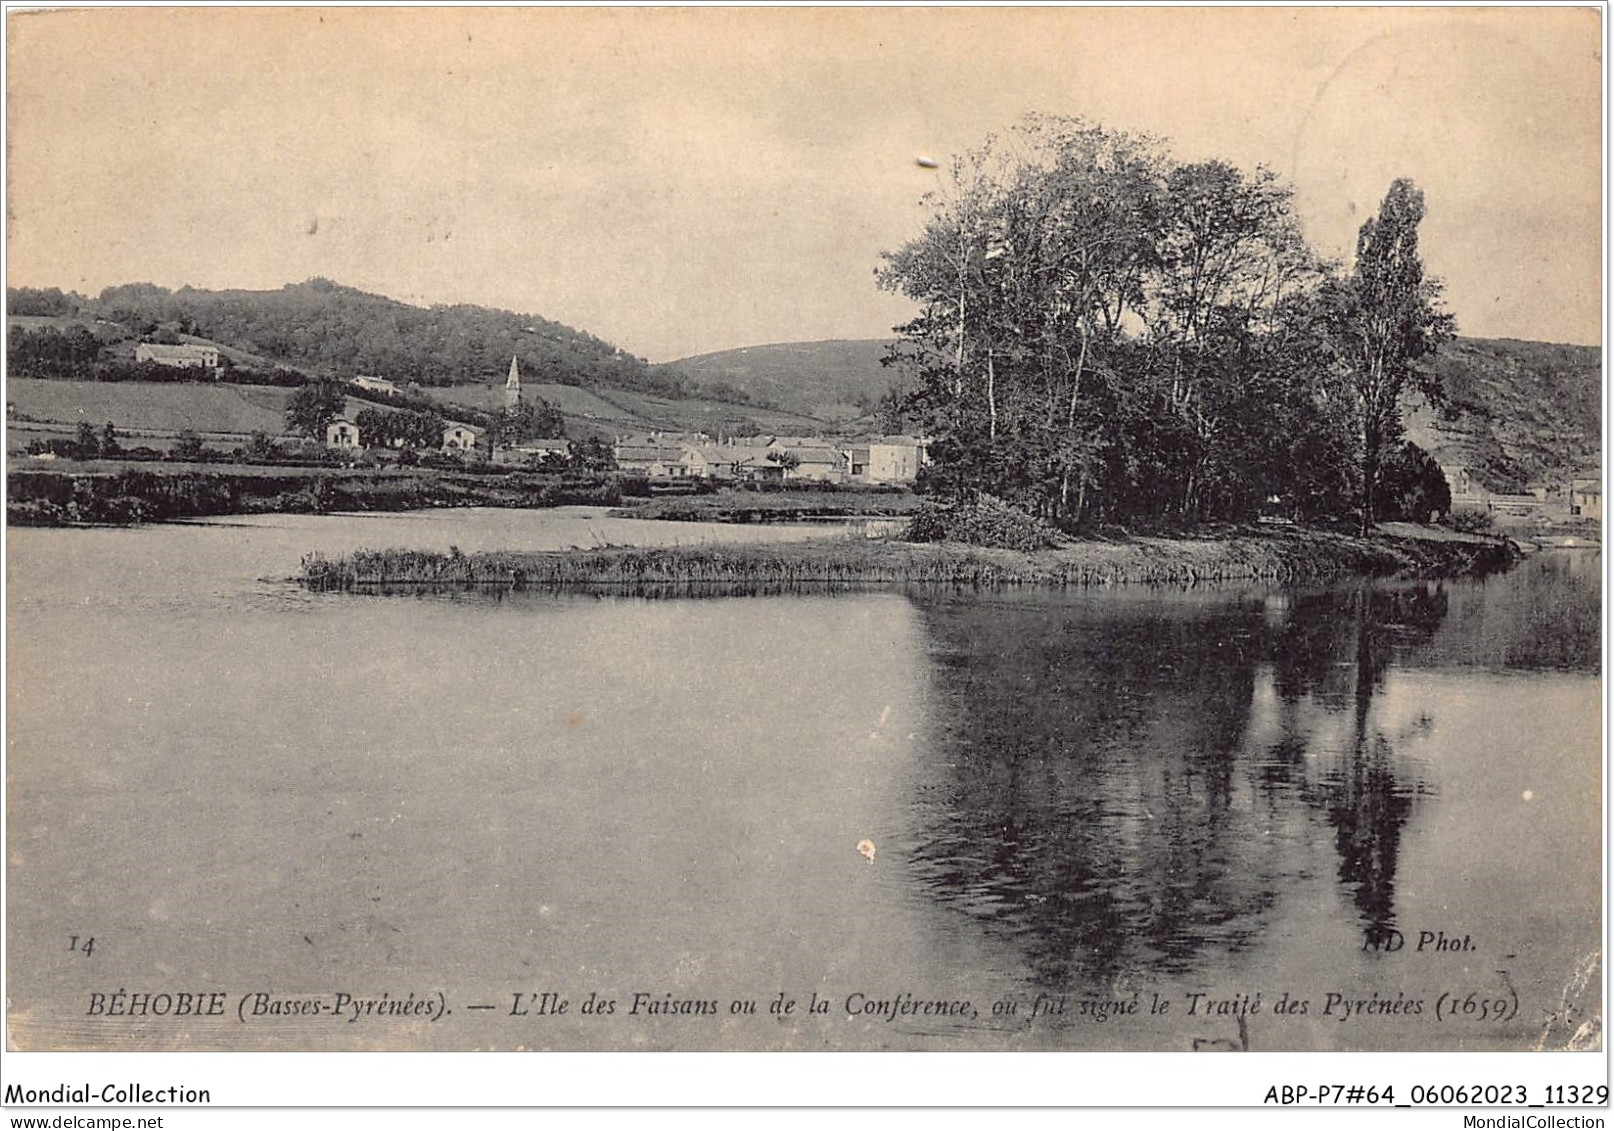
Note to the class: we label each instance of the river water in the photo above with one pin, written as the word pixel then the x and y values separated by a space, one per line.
pixel 1366 816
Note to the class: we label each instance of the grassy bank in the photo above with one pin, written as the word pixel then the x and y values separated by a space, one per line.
pixel 1288 554
pixel 122 496
pixel 774 506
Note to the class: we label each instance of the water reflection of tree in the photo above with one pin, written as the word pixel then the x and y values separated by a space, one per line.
pixel 1364 798
pixel 1086 807
pixel 1090 800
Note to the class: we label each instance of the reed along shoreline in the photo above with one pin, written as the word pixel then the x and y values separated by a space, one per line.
pixel 1247 554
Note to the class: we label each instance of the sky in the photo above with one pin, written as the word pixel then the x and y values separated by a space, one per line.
pixel 679 181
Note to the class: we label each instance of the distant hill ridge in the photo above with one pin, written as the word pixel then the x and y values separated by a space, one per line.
pixel 832 380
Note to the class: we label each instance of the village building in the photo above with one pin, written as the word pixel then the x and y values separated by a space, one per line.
pixel 178 357
pixel 708 461
pixel 664 455
pixel 461 439
pixel 650 458
pixel 1586 495
pixel 529 451
pixel 1464 486
pixel 809 458
pixel 857 462
pixel 817 464
pixel 375 384
pixel 342 433
pixel 745 460
pixel 895 459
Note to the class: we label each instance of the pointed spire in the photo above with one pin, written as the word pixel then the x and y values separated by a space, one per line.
pixel 512 385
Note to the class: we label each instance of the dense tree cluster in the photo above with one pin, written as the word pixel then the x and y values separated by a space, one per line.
pixel 314 406
pixel 1108 334
pixel 48 353
pixel 534 419
pixel 409 428
pixel 48 302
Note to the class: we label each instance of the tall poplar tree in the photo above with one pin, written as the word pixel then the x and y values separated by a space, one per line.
pixel 1386 320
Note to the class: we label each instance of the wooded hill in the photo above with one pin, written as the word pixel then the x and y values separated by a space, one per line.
pixel 326 328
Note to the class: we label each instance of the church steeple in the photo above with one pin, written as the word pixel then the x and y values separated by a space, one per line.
pixel 512 385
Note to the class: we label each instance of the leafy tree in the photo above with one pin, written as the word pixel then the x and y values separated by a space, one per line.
pixel 531 420
pixel 375 427
pixel 1027 272
pixel 260 448
pixel 1411 485
pixel 1107 333
pixel 1228 255
pixel 49 301
pixel 109 440
pixel 419 428
pixel 314 406
pixel 188 445
pixel 85 442
pixel 52 353
pixel 593 454
pixel 1386 320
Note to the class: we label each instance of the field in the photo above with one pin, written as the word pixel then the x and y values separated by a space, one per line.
pixel 608 412
pixel 163 408
pixel 774 506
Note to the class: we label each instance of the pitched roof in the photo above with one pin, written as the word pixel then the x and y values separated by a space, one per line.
pixel 158 350
pixel 648 453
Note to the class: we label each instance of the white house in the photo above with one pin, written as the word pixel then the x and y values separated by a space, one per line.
pixel 179 357
pixel 375 384
pixel 894 459
pixel 461 439
pixel 342 433
pixel 1586 495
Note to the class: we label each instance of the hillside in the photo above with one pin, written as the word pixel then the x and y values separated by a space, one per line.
pixel 322 327
pixel 830 380
pixel 1516 414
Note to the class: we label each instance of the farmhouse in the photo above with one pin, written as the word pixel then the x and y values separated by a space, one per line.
pixel 653 459
pixel 709 461
pixel 461 439
pixel 179 357
pixel 808 457
pixel 1586 495
pixel 342 433
pixel 375 384
pixel 895 459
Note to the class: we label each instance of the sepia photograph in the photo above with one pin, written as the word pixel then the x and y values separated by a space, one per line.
pixel 795 530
